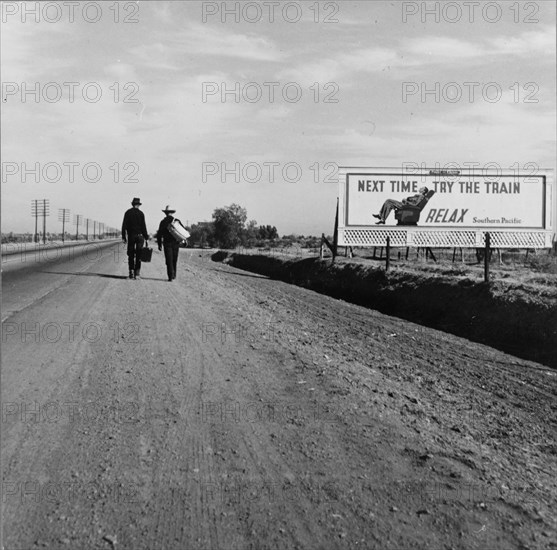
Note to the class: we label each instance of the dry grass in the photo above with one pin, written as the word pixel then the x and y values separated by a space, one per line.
pixel 538 271
pixel 532 273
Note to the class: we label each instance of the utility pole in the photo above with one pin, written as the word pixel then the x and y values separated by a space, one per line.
pixel 40 207
pixel 35 212
pixel 63 216
pixel 78 218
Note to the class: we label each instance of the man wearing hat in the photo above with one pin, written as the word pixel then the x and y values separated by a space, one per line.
pixel 171 245
pixel 134 226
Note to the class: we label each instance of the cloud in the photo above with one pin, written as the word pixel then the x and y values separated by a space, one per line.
pixel 158 57
pixel 198 39
pixel 526 44
pixel 422 52
pixel 274 112
pixel 433 49
pixel 369 60
pixel 26 51
pixel 505 132
pixel 206 40
pixel 123 72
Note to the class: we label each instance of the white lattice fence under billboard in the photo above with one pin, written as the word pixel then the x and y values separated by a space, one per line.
pixel 517 240
pixel 375 237
pixel 443 239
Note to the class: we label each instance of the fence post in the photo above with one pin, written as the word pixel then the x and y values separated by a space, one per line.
pixel 388 259
pixel 335 235
pixel 486 257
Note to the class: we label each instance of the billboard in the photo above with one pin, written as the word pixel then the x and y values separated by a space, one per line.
pixel 445 207
pixel 445 200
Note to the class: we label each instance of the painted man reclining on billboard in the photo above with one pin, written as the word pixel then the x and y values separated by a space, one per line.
pixel 415 202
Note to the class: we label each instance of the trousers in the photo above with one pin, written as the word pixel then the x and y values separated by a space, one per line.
pixel 135 244
pixel 388 206
pixel 171 258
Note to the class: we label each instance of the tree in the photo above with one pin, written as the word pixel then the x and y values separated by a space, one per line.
pixel 202 234
pixel 229 223
pixel 251 234
pixel 267 232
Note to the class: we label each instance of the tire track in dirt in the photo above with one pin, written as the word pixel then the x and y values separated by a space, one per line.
pixel 211 475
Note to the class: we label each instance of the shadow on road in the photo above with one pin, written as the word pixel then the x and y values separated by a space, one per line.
pixel 87 274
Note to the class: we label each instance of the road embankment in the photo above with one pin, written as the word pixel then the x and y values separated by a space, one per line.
pixel 516 319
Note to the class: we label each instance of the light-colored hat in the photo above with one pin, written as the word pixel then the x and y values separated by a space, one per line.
pixel 169 210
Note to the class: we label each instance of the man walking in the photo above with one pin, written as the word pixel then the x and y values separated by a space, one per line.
pixel 134 226
pixel 171 245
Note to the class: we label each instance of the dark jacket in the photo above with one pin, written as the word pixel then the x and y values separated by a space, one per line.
pixel 134 224
pixel 163 234
pixel 414 200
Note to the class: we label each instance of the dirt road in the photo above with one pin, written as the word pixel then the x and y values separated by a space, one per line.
pixel 225 410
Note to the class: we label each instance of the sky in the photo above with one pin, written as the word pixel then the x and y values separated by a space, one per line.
pixel 203 104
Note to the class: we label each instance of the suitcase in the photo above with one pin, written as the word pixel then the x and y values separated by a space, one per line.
pixel 146 253
pixel 178 231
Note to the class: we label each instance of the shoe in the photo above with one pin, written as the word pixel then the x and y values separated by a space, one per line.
pixel 170 279
pixel 136 275
pixel 376 216
pixel 380 222
pixel 131 276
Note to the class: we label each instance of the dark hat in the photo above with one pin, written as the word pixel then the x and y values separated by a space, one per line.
pixel 169 210
pixel 136 201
